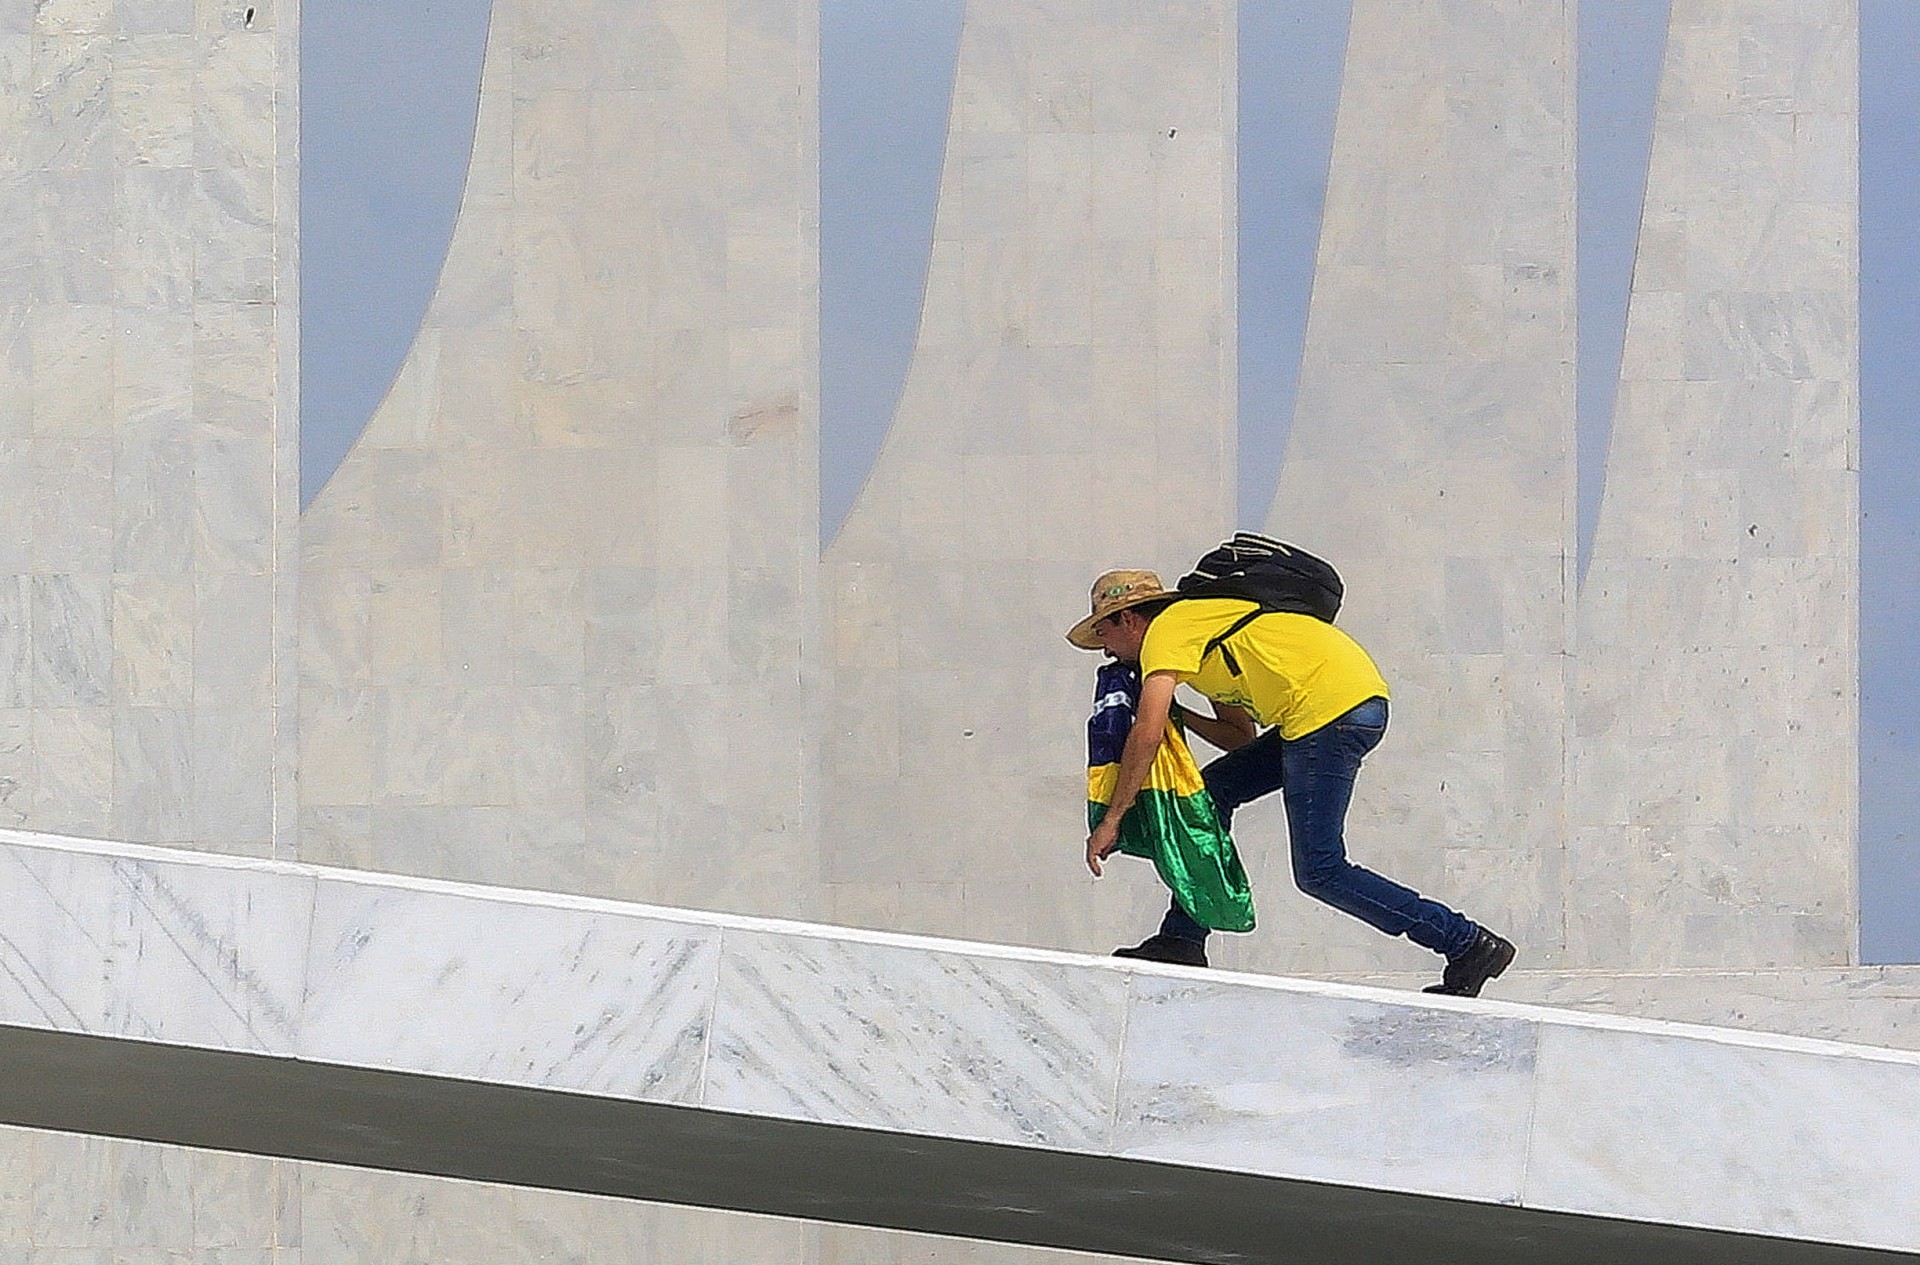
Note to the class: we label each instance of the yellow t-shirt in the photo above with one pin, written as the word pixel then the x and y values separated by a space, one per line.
pixel 1297 672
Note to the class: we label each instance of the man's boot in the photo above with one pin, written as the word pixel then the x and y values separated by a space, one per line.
pixel 1165 948
pixel 1482 960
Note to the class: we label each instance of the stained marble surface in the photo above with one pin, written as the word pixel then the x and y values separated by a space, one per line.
pixel 906 1038
pixel 147 944
pixel 1477 1101
pixel 1327 1088
pixel 599 1002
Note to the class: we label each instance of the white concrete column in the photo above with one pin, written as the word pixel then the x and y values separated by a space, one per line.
pixel 1431 459
pixel 1715 805
pixel 556 599
pixel 147 390
pixel 1069 409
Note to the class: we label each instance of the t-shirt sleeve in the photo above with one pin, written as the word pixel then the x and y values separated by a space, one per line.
pixel 1173 644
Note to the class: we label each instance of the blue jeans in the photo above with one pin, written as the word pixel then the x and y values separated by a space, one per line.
pixel 1314 774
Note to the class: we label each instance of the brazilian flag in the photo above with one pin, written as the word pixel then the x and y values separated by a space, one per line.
pixel 1173 822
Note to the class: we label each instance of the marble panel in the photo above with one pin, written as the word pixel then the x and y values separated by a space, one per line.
pixel 72 768
pixel 403 627
pixel 232 220
pixel 1298 1086
pixel 72 512
pixel 154 246
pixel 622 761
pixel 602 1001
pixel 134 945
pixel 234 764
pixel 72 640
pixel 233 359
pixel 338 733
pixel 547 761
pixel 155 17
pixel 915 1039
pixel 153 372
pixel 621 634
pixel 549 647
pixel 152 774
pixel 153 490
pixel 1808 334
pixel 480 769
pixel 72 119
pixel 233 502
pixel 231 648
pixel 16 642
pixel 74 228
pixel 49 905
pixel 1715 1132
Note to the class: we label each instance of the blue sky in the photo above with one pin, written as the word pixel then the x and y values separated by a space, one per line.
pixel 1890 479
pixel 387 120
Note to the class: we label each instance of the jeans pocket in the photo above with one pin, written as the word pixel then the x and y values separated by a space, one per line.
pixel 1371 714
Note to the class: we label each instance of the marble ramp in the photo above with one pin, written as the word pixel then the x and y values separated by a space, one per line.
pixel 982 1091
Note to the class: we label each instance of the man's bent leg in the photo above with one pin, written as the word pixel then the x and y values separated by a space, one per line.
pixel 1319 774
pixel 1236 777
pixel 1181 925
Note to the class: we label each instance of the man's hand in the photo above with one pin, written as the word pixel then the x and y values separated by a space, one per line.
pixel 1101 843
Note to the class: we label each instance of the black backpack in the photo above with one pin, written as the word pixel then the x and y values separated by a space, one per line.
pixel 1278 576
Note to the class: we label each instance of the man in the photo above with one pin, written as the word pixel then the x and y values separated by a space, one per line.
pixel 1325 705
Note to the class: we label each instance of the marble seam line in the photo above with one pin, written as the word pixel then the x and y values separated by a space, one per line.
pixel 301 1034
pixel 700 1094
pixel 1120 1063
pixel 1540 1039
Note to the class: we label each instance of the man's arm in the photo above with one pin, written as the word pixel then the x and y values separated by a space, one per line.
pixel 1149 727
pixel 1229 728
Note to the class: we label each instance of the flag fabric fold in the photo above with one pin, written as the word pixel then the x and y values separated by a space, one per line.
pixel 1173 821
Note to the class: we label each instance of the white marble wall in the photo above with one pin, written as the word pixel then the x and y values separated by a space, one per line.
pixel 1714 813
pixel 1069 409
pixel 146 378
pixel 556 601
pixel 1431 459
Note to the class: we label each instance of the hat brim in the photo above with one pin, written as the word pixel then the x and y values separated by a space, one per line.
pixel 1081 634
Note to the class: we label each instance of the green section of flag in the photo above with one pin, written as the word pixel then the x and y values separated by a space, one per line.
pixel 1195 857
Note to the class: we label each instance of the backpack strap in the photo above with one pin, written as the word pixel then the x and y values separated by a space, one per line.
pixel 1220 643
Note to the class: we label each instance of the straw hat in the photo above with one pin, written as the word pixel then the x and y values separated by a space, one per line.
pixel 1113 592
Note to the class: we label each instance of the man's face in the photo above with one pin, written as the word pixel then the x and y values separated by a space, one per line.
pixel 1120 635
